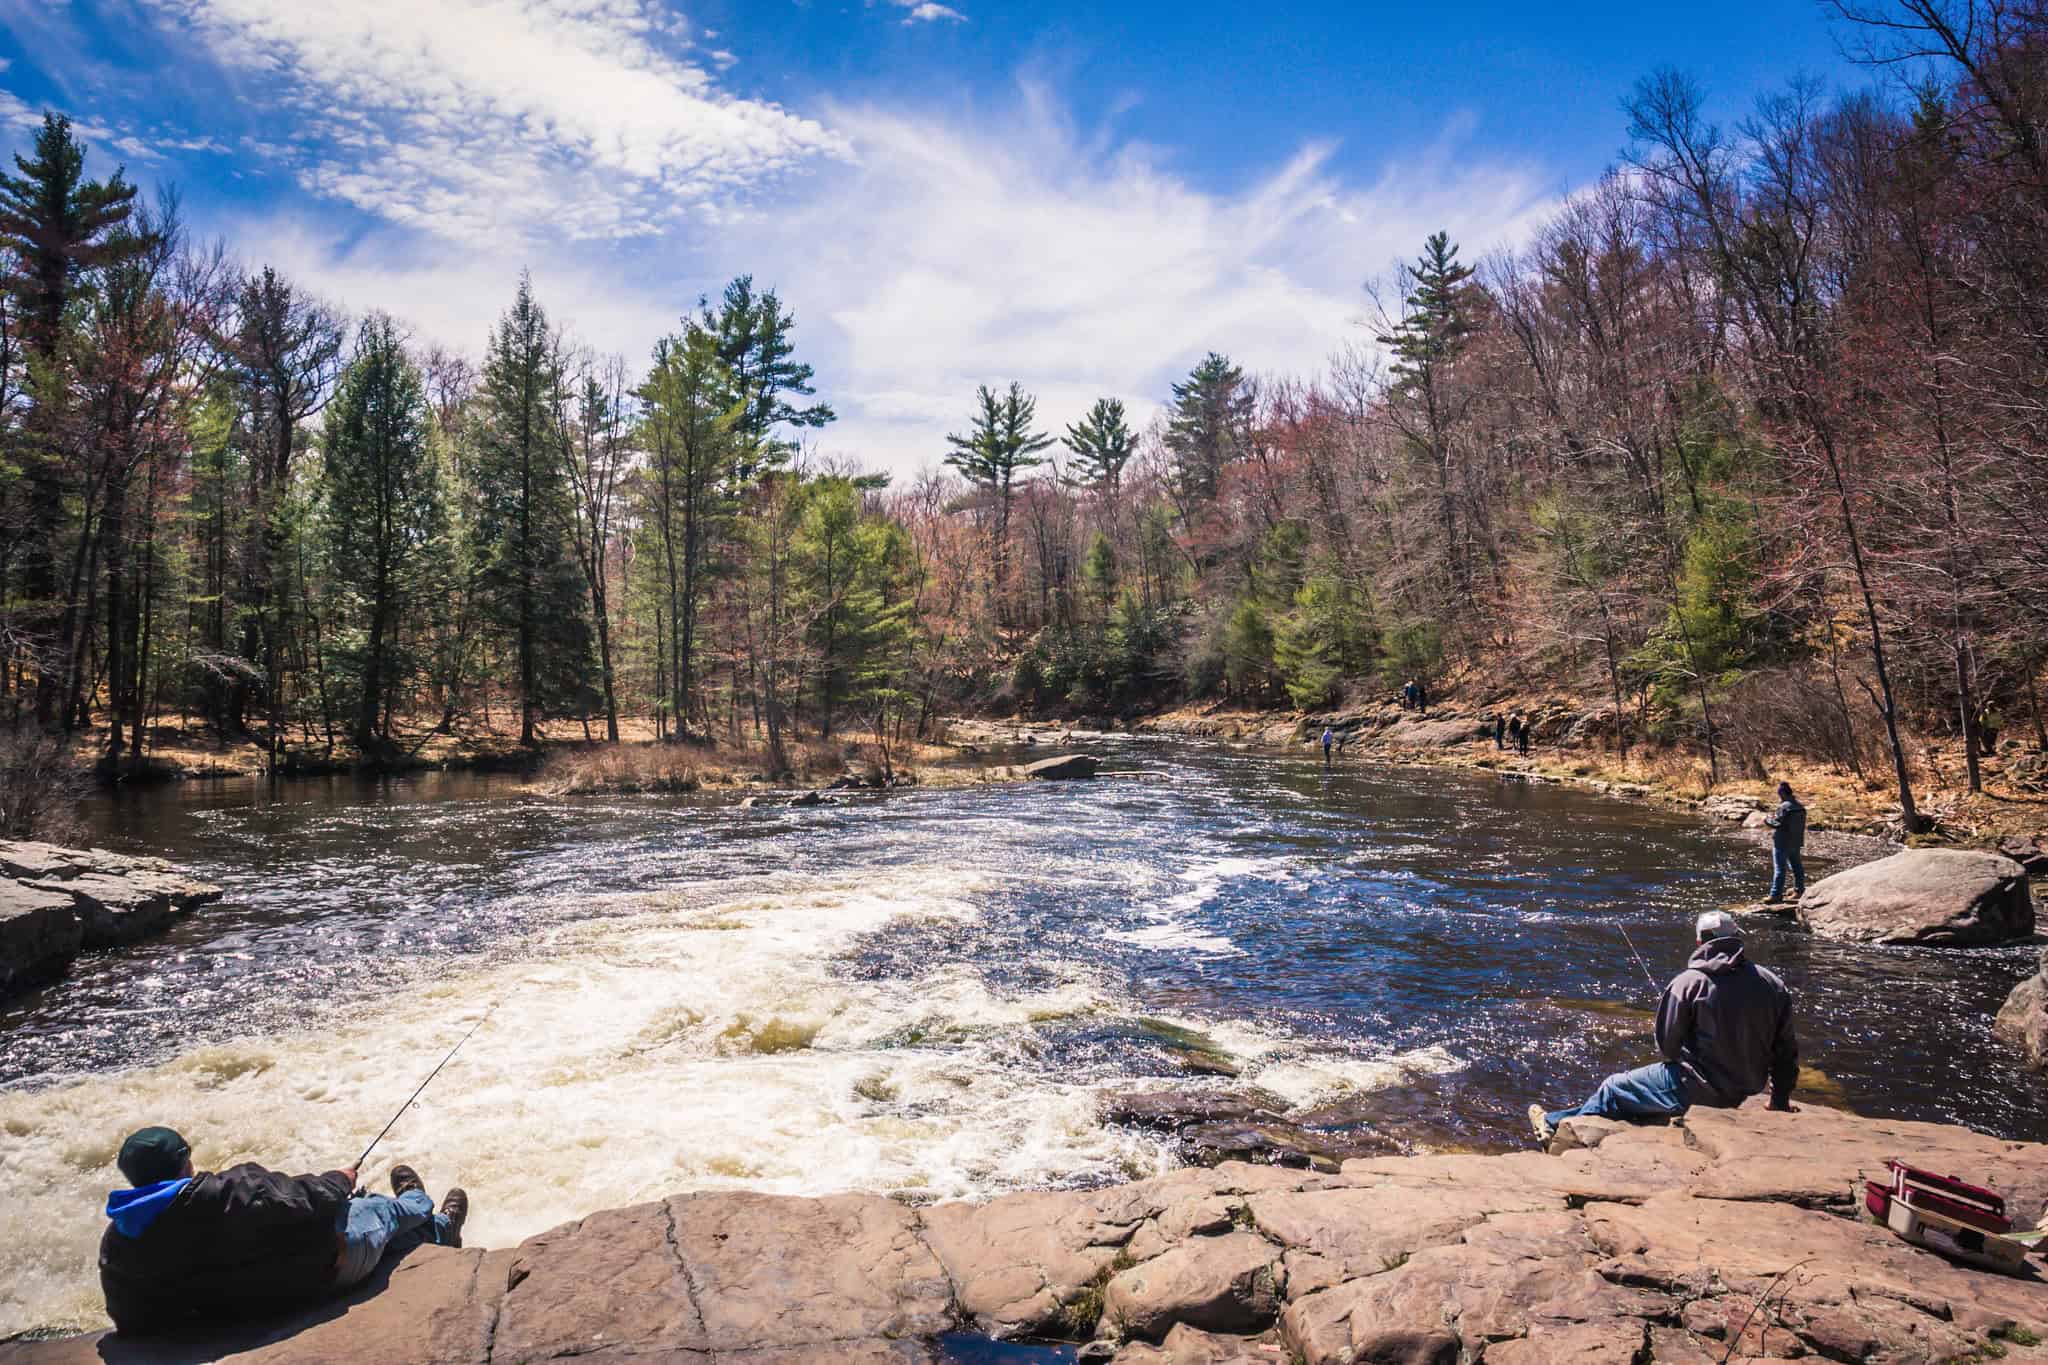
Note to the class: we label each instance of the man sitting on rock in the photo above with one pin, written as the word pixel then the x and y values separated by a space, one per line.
pixel 1724 1026
pixel 207 1247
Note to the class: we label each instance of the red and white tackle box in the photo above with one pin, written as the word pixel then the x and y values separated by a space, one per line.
pixel 1953 1217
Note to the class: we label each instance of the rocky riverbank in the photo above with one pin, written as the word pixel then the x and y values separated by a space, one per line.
pixel 56 903
pixel 1734 1236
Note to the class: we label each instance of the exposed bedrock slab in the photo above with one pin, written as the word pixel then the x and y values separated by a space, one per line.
pixel 1726 1237
pixel 57 902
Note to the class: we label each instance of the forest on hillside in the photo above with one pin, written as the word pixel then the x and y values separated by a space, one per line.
pixel 1750 440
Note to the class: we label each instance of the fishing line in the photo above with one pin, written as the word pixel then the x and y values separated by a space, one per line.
pixel 422 1087
pixel 1647 976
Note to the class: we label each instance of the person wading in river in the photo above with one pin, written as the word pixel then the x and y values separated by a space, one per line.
pixel 1328 740
pixel 203 1248
pixel 1724 1026
pixel 1788 838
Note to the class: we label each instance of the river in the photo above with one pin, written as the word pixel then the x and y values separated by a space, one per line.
pixel 920 994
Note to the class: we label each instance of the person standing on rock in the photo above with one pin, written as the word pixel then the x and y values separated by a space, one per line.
pixel 1724 1026
pixel 1788 838
pixel 199 1248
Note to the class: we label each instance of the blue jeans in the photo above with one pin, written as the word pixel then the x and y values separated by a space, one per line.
pixel 377 1225
pixel 1785 860
pixel 1655 1091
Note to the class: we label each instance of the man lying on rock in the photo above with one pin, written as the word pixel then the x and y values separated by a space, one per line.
pixel 202 1248
pixel 1724 1026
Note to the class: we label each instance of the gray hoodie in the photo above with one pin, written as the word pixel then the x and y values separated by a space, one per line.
pixel 1726 1023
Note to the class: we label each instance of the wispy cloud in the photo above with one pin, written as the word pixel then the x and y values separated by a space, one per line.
pixel 951 254
pixel 488 121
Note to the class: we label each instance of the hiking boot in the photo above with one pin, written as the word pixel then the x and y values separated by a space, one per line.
pixel 1772 900
pixel 405 1178
pixel 1544 1132
pixel 455 1208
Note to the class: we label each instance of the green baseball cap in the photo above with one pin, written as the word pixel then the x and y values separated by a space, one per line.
pixel 153 1154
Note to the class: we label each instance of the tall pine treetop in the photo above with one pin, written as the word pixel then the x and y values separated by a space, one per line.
pixel 753 339
pixel 1436 311
pixel 1001 441
pixel 1103 444
pixel 61 225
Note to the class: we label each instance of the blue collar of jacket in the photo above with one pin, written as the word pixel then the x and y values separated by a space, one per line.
pixel 134 1210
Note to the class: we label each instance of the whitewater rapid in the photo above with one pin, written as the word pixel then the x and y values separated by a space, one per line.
pixel 698 1037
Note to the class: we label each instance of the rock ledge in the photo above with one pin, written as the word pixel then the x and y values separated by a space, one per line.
pixel 58 902
pixel 1655 1245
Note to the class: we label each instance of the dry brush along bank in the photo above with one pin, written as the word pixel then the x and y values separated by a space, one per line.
pixel 1734 1236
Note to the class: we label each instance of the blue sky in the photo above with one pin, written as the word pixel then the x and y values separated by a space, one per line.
pixel 1085 197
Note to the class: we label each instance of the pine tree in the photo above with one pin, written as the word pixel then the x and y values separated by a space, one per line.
pixel 1000 445
pixel 59 227
pixel 531 585
pixel 383 517
pixel 1207 428
pixel 752 339
pixel 689 432
pixel 1103 444
pixel 1431 334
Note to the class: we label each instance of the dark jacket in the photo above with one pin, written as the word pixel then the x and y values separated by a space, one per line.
pixel 1726 1023
pixel 223 1244
pixel 1788 826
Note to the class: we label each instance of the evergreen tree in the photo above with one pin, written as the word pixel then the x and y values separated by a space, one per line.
pixel 1000 445
pixel 1207 429
pixel 384 521
pixel 1435 325
pixel 851 571
pixel 58 227
pixel 531 584
pixel 752 338
pixel 689 431
pixel 1103 444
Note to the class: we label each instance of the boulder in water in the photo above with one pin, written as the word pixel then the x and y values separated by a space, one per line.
pixel 1942 896
pixel 1175 1111
pixel 1065 767
pixel 2023 1018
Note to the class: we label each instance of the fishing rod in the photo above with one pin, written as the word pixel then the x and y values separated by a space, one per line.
pixel 423 1085
pixel 1638 956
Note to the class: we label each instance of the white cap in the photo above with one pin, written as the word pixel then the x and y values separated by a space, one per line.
pixel 1717 924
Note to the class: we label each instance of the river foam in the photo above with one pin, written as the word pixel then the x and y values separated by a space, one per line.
pixel 705 1036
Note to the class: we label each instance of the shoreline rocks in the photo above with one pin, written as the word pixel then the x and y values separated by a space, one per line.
pixel 1938 896
pixel 58 902
pixel 1735 1233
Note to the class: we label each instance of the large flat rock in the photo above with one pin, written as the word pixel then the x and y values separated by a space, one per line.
pixel 1944 896
pixel 1726 1238
pixel 39 934
pixel 57 902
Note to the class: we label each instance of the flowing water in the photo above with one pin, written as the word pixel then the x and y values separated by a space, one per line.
pixel 922 994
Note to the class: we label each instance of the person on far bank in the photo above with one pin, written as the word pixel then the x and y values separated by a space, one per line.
pixel 202 1248
pixel 1328 740
pixel 1522 735
pixel 1500 730
pixel 1724 1026
pixel 1788 839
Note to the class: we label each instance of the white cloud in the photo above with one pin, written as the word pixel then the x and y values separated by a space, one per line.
pixel 925 11
pixel 494 121
pixel 948 256
pixel 942 254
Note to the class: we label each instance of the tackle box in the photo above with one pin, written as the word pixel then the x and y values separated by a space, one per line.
pixel 1946 1215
